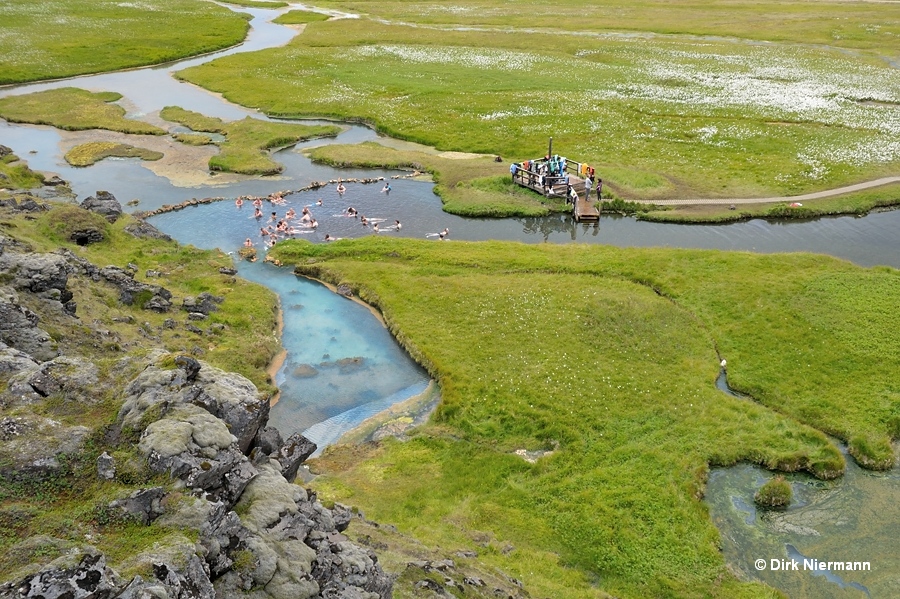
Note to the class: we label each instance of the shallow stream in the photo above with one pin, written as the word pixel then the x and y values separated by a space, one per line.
pixel 342 365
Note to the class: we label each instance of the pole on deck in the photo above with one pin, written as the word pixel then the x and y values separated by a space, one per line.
pixel 550 149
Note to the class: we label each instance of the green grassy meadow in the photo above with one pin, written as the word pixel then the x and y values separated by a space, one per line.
pixel 49 39
pixel 607 357
pixel 667 101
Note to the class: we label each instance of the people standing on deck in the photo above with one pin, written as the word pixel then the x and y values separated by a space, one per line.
pixel 599 188
pixel 588 185
pixel 512 170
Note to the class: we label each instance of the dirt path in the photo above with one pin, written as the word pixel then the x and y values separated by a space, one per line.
pixel 801 198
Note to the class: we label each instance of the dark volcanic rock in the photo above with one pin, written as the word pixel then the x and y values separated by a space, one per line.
pixel 151 297
pixel 268 440
pixel 79 575
pixel 145 230
pixel 105 204
pixel 142 505
pixel 19 330
pixel 36 273
pixel 294 452
pixel 106 467
pixel 203 303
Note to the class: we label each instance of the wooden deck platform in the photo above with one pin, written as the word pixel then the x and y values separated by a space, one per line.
pixel 583 208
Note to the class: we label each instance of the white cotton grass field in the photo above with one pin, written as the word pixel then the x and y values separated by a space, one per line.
pixel 669 115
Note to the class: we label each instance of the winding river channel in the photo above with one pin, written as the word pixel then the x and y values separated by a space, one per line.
pixel 342 365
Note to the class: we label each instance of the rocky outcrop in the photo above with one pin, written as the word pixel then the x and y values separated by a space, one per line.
pixel 19 330
pixel 227 396
pixel 284 543
pixel 81 574
pixel 105 204
pixel 224 519
pixel 147 296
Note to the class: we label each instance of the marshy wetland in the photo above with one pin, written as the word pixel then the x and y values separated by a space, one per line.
pixel 602 359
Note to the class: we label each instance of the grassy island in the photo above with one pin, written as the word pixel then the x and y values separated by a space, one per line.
pixel 73 109
pixel 246 145
pixel 604 360
pixel 468 185
pixel 89 153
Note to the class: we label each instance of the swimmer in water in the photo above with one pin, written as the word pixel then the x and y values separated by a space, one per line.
pixel 319 202
pixel 239 202
pixel 257 213
pixel 375 227
pixel 443 234
pixel 341 189
pixel 257 202
pixel 397 225
pixel 386 188
pixel 248 243
pixel 364 221
pixel 274 217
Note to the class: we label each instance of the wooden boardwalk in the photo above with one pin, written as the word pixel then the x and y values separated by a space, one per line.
pixel 583 208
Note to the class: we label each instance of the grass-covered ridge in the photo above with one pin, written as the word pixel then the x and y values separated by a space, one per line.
pixel 73 109
pixel 91 152
pixel 246 145
pixel 661 116
pixel 17 175
pixel 611 354
pixel 48 39
pixel 472 186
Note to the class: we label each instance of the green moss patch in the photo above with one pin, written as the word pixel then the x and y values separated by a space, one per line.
pixel 774 494
pixel 193 139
